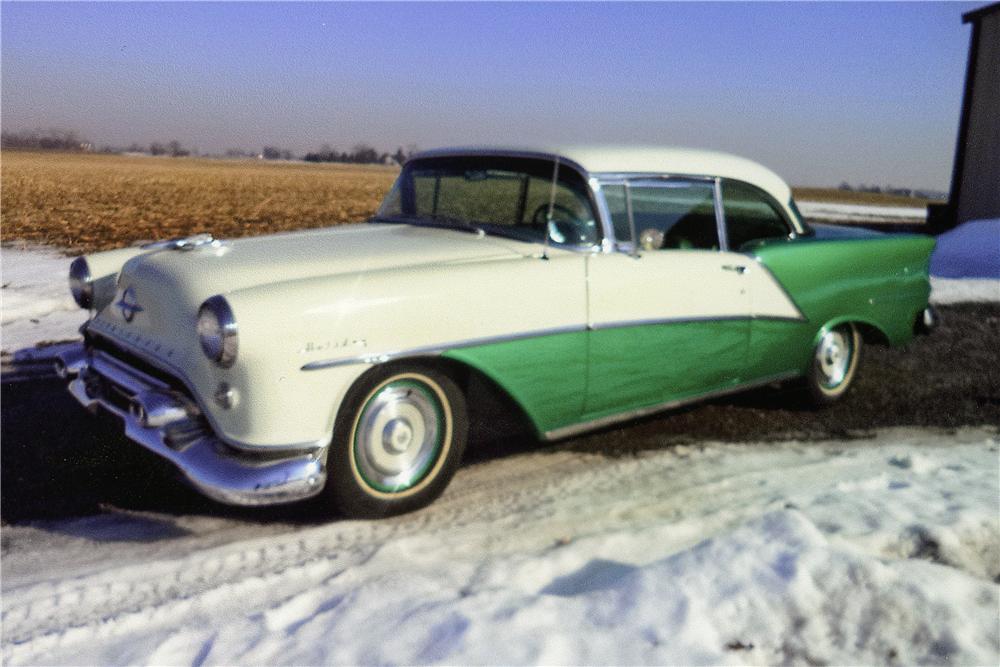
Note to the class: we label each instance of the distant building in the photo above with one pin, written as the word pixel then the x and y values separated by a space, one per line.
pixel 975 180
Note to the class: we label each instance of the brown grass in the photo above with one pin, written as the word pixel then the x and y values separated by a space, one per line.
pixel 82 203
pixel 832 195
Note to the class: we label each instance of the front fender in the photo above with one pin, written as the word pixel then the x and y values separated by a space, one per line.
pixel 304 342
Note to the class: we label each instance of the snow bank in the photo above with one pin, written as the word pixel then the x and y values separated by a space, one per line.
pixel 971 250
pixel 963 290
pixel 878 550
pixel 859 213
pixel 36 303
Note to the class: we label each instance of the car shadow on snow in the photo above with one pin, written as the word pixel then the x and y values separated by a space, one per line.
pixel 58 461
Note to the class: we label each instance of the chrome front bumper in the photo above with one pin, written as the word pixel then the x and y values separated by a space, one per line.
pixel 170 424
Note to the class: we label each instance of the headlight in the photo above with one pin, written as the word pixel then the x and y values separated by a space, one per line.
pixel 81 283
pixel 217 331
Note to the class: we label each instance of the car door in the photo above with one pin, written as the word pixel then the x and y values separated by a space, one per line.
pixel 670 319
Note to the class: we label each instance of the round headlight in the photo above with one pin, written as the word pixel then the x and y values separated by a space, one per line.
pixel 80 283
pixel 217 331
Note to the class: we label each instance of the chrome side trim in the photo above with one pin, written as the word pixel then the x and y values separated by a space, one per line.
pixel 429 350
pixel 624 324
pixel 382 357
pixel 583 427
pixel 154 420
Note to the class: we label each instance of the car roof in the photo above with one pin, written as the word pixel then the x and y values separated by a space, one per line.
pixel 644 159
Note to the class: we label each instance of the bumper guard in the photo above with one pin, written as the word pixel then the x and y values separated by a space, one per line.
pixel 170 424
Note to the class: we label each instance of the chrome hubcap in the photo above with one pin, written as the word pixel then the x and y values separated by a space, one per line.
pixel 833 357
pixel 398 435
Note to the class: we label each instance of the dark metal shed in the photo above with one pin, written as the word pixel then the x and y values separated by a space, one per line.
pixel 975 180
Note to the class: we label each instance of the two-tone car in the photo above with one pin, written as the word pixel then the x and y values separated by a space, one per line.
pixel 586 285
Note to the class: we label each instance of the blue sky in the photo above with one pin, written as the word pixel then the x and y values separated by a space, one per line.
pixel 819 92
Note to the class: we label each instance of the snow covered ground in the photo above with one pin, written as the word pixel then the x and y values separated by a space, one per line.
pixel 860 213
pixel 884 549
pixel 35 303
pixel 881 548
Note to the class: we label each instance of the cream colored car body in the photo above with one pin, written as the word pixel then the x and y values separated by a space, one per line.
pixel 315 309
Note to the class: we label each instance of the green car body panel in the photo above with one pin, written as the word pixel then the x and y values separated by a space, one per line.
pixel 837 276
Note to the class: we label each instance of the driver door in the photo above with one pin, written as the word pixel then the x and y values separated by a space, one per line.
pixel 671 320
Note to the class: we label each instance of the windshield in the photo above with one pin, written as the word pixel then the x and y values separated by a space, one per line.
pixel 506 196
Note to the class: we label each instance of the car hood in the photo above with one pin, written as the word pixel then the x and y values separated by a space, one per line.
pixel 231 265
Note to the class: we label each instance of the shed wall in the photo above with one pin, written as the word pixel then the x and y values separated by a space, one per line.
pixel 979 189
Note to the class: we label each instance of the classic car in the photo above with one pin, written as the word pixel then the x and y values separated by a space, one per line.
pixel 588 285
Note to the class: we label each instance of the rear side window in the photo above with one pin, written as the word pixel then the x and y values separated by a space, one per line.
pixel 751 215
pixel 668 214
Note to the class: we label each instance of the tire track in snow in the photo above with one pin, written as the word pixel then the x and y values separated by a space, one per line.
pixel 525 503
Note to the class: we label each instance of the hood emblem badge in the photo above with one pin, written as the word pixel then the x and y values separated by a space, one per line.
pixel 129 305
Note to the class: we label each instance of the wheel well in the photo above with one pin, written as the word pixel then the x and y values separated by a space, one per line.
pixel 497 423
pixel 871 334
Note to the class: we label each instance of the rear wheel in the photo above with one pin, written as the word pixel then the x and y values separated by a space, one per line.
pixel 834 365
pixel 398 440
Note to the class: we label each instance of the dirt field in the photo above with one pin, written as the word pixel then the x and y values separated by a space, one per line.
pixel 82 203
pixel 834 196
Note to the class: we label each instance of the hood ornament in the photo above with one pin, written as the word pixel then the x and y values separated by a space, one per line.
pixel 129 305
pixel 184 243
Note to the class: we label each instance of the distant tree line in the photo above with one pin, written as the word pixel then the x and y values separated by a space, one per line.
pixel 171 148
pixel 361 154
pixel 891 190
pixel 45 140
pixel 68 140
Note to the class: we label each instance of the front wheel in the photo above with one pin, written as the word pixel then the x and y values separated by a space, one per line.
pixel 398 439
pixel 834 364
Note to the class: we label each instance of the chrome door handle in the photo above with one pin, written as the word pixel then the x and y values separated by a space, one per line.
pixel 738 268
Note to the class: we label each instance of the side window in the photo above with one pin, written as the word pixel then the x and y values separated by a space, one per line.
pixel 668 215
pixel 674 215
pixel 751 215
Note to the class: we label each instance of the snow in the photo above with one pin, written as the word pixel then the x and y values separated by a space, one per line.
pixel 971 250
pixel 36 304
pixel 880 549
pixel 860 213
pixel 963 290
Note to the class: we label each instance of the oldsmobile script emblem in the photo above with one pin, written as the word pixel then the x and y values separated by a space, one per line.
pixel 128 305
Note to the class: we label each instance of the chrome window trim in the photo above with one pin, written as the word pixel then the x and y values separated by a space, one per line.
pixel 626 179
pixel 604 215
pixel 720 217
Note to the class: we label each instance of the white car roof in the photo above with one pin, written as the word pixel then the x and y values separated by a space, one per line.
pixel 625 159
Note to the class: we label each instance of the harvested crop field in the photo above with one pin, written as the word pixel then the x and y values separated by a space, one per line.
pixel 83 202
